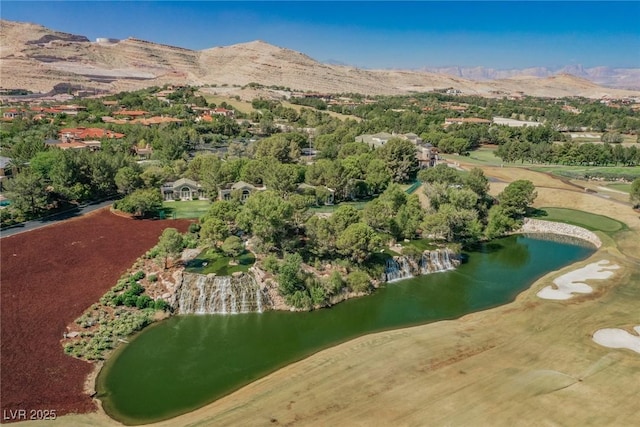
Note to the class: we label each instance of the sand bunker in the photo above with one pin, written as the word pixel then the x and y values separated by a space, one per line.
pixel 573 282
pixel 618 338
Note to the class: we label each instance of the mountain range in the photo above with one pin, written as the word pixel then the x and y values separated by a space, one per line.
pixel 621 78
pixel 40 59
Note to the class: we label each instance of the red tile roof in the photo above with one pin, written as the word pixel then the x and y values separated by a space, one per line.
pixel 131 113
pixel 88 133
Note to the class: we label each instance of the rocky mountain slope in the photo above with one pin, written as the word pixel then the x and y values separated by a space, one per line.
pixel 621 78
pixel 36 58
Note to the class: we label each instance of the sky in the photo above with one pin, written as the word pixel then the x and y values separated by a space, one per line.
pixel 380 34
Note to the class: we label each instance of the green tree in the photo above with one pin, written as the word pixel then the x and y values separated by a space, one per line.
pixel 289 277
pixel 477 182
pixel 170 244
pixel 453 224
pixel 517 197
pixel 322 239
pixel 141 203
pixel 128 179
pixel 233 246
pixel 358 281
pixel 27 193
pixel 612 137
pixel 267 216
pixel 498 223
pixel 214 230
pixel 377 176
pixel 634 194
pixel 440 173
pixel 400 159
pixel 358 241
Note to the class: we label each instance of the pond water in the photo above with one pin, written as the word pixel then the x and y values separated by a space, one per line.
pixel 186 362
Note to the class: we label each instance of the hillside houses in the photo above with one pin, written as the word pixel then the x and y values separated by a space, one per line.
pixel 82 138
pixel 381 138
pixel 464 120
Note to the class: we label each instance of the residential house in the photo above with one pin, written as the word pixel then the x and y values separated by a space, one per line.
pixel 182 189
pixel 244 189
pixel 324 195
pixel 415 139
pixel 7 170
pixel 462 120
pixel 82 133
pixel 222 112
pixel 12 114
pixel 375 140
pixel 131 113
pixel 71 110
pixel 379 139
pixel 143 153
pixel 427 156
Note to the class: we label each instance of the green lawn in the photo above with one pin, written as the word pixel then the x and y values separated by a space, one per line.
pixel 420 244
pixel 481 156
pixel 579 172
pixel 213 261
pixel 185 209
pixel 583 219
pixel 484 156
pixel 621 187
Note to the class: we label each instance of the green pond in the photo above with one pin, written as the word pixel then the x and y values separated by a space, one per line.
pixel 185 362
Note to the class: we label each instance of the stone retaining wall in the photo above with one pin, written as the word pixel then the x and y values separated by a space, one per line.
pixel 539 226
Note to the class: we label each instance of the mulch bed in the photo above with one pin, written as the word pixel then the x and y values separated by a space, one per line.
pixel 48 278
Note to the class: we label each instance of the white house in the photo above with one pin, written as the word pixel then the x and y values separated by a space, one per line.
pixel 182 189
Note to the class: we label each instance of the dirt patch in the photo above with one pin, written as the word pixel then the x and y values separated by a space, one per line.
pixel 49 277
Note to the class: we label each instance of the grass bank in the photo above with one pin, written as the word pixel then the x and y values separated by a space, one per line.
pixel 185 209
pixel 583 219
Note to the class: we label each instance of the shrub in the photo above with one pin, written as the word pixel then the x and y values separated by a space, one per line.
pixel 144 301
pixel 139 275
pixel 299 299
pixel 318 294
pixel 161 304
pixel 194 228
pixel 335 282
pixel 358 281
pixel 270 263
pixel 152 278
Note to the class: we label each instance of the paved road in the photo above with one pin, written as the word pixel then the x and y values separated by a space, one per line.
pixel 53 219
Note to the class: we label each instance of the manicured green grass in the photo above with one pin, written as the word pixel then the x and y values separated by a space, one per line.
pixel 579 172
pixel 621 187
pixel 583 219
pixel 185 209
pixel 213 261
pixel 483 156
pixel 420 244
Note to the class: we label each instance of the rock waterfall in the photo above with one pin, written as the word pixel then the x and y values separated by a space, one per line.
pixel 211 294
pixel 404 267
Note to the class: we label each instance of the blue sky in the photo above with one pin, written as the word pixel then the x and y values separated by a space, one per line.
pixel 369 34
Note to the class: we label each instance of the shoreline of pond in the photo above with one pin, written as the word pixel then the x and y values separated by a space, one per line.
pixel 536 279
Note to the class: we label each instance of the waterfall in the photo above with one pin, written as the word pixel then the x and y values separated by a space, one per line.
pixel 209 294
pixel 436 261
pixel 404 267
pixel 397 268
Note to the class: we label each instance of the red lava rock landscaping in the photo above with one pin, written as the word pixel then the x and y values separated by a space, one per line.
pixel 49 276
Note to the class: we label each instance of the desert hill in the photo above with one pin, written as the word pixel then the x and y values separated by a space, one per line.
pixel 36 58
pixel 620 78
